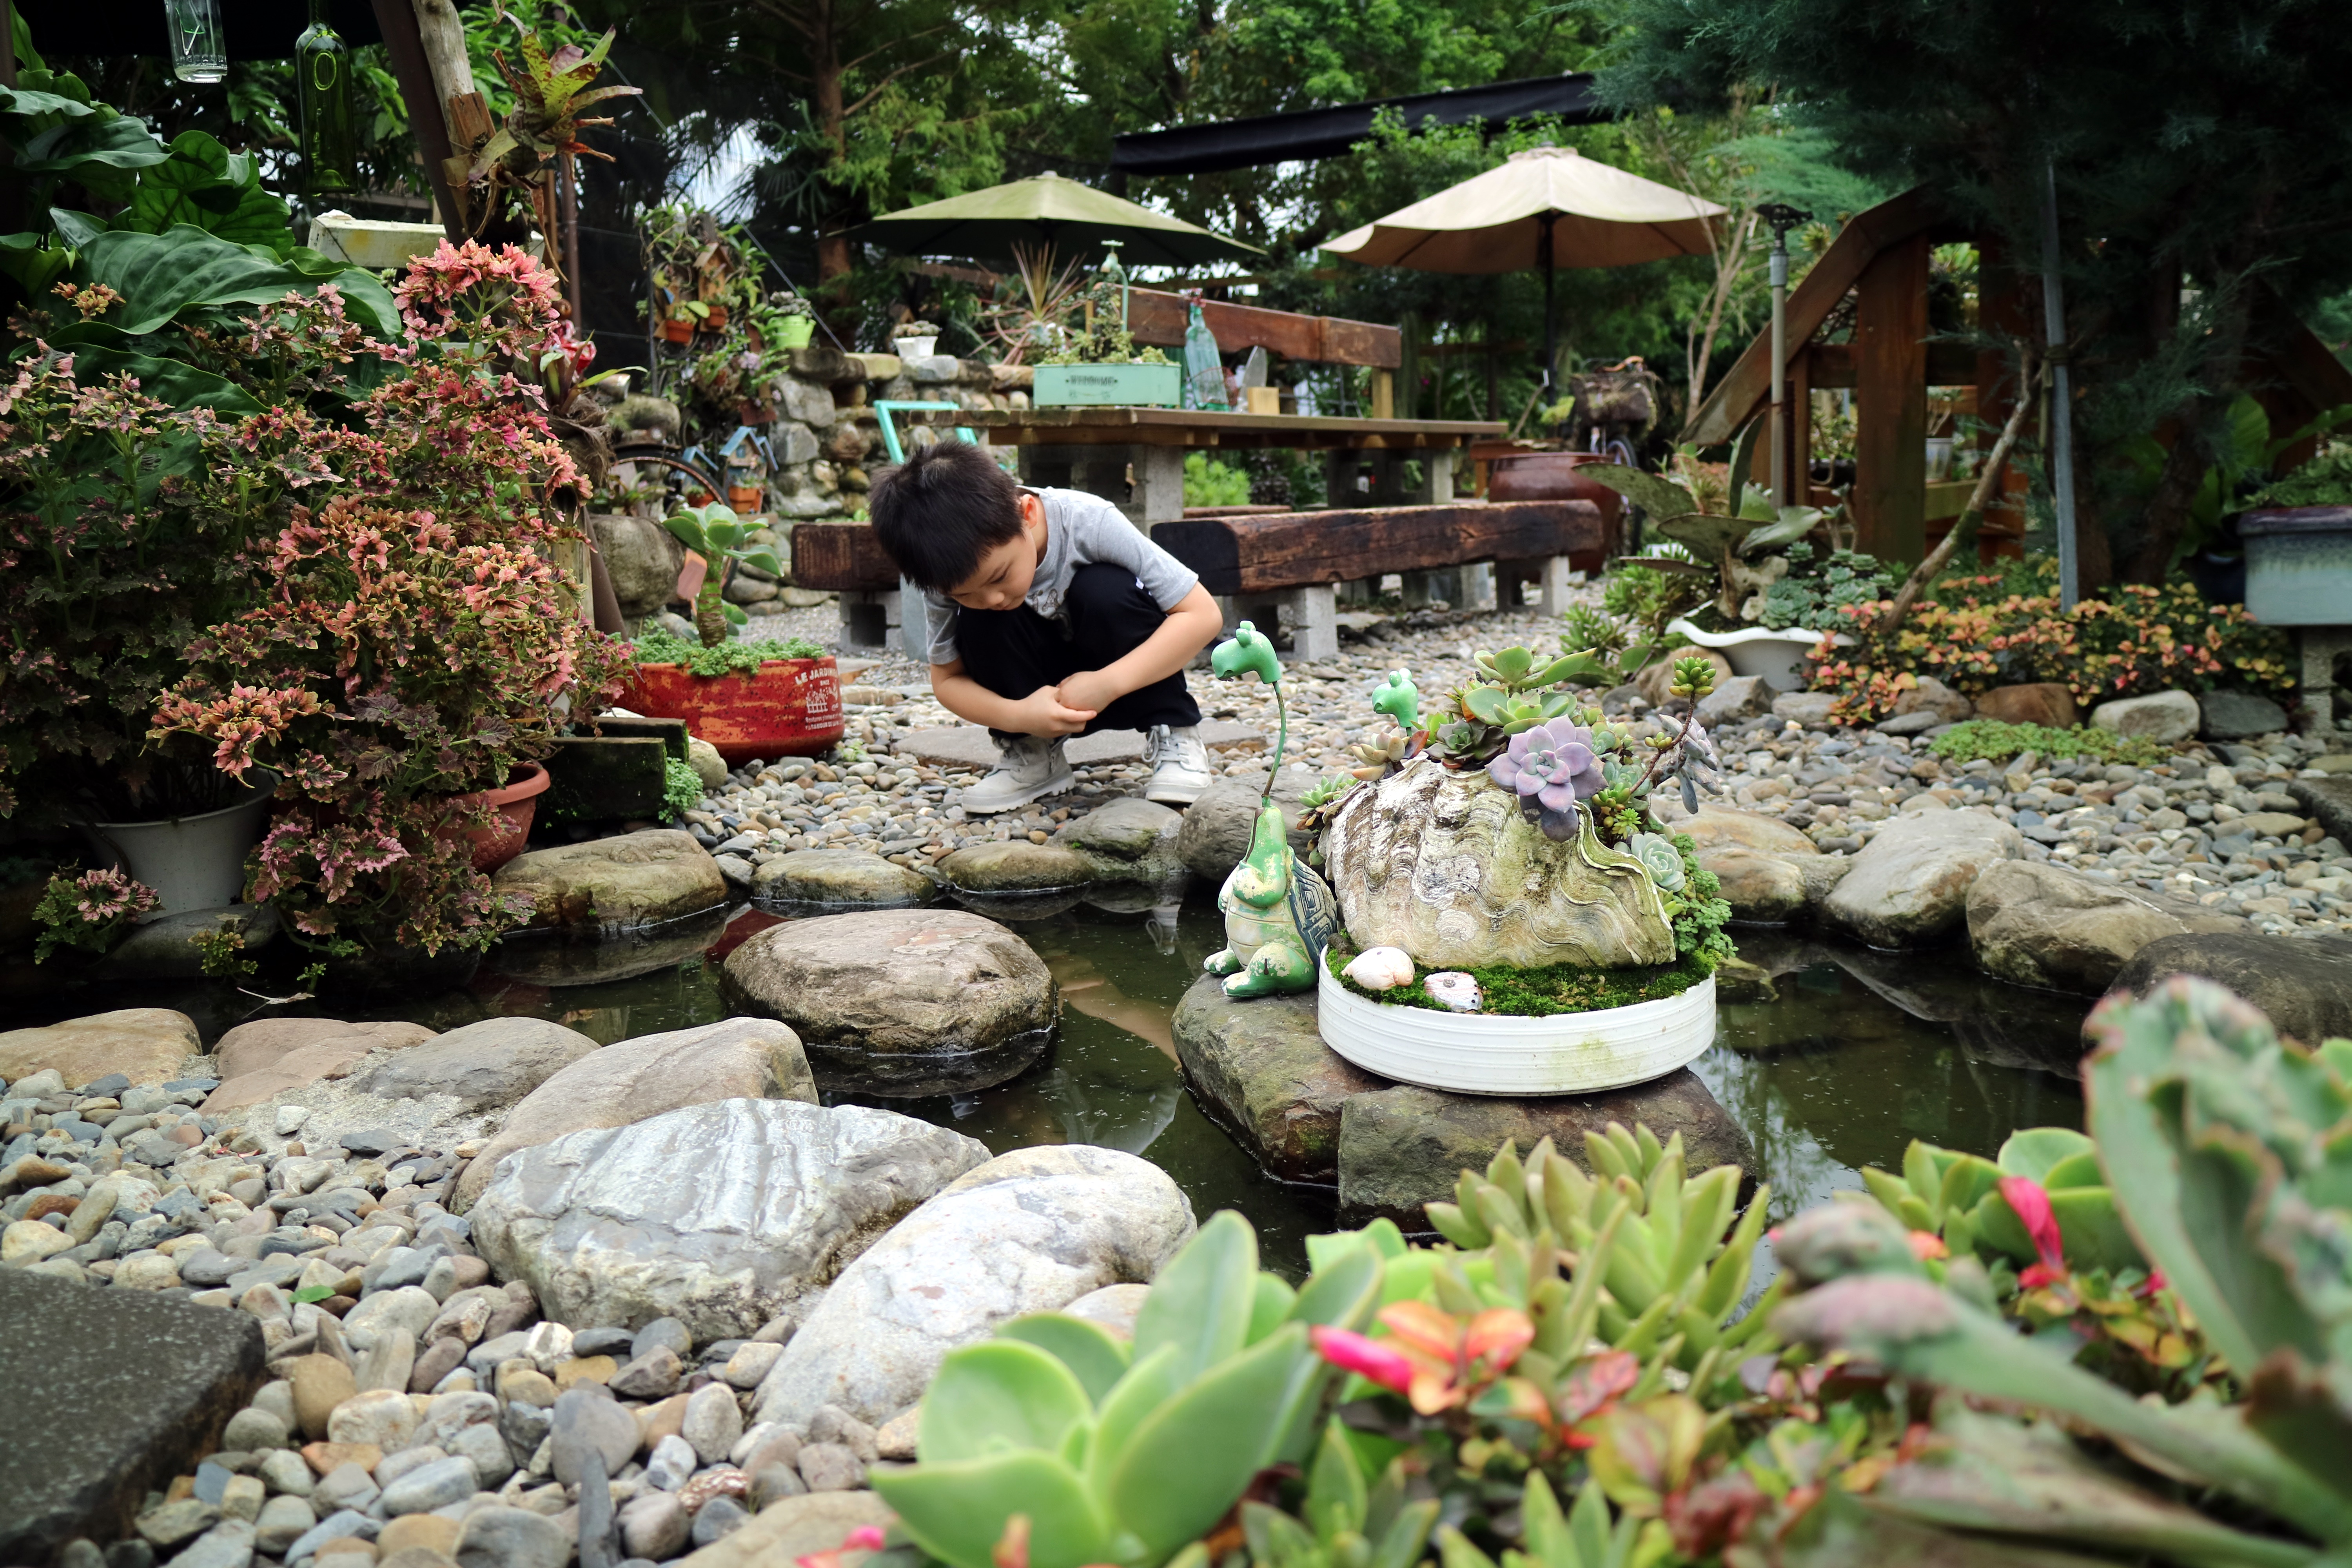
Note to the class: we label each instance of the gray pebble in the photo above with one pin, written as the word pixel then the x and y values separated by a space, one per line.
pixel 671 1463
pixel 437 1485
pixel 662 1332
pixel 497 1537
pixel 345 1487
pixel 228 1544
pixel 831 1468
pixel 654 1525
pixel 721 1516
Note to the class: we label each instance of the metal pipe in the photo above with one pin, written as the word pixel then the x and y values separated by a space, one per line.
pixel 1781 496
pixel 2062 414
pixel 1543 261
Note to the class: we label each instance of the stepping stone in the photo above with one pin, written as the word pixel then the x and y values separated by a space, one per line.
pixel 967 745
pixel 631 879
pixel 143 1385
pixel 839 877
pixel 145 1045
pixel 900 1002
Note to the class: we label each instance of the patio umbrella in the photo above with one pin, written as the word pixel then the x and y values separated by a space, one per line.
pixel 1546 208
pixel 1048 213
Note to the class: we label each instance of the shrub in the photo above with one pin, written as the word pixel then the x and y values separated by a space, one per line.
pixel 417 638
pixel 1977 632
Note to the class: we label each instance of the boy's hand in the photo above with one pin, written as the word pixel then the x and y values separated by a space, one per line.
pixel 1043 712
pixel 1091 689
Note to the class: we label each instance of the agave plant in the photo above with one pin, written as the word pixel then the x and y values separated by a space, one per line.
pixel 1110 1452
pixel 1724 540
pixel 716 534
pixel 2225 1152
pixel 543 128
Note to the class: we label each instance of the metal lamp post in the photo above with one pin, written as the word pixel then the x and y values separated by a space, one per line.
pixel 1783 217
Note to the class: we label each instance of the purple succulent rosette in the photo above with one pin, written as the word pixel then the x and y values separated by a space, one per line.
pixel 1551 768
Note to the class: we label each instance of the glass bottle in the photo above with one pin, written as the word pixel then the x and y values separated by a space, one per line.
pixel 199 54
pixel 323 74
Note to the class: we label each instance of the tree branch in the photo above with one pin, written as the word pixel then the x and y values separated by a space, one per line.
pixel 1965 523
pixel 895 73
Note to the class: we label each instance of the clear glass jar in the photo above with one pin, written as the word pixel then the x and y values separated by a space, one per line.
pixel 199 48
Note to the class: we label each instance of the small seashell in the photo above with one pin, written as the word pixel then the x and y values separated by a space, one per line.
pixel 1381 968
pixel 1453 989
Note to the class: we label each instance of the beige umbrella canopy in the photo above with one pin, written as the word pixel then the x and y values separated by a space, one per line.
pixel 1544 208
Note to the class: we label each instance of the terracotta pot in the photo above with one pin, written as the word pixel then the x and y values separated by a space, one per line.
pixel 679 328
pixel 717 321
pixel 516 805
pixel 786 708
pixel 1552 476
pixel 744 499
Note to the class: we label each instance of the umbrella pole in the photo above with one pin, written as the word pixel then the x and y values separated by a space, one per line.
pixel 1543 260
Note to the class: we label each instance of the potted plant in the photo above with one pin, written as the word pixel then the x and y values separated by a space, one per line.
pixel 417 644
pixel 747 699
pixel 1733 545
pixel 2297 532
pixel 915 340
pixel 1517 921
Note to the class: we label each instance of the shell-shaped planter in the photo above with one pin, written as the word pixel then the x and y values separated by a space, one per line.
pixel 1778 655
pixel 1470 1053
pixel 1442 864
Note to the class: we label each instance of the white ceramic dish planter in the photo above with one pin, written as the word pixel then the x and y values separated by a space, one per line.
pixel 1466 1053
pixel 1761 650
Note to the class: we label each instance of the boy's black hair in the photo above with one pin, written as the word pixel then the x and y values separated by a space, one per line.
pixel 943 509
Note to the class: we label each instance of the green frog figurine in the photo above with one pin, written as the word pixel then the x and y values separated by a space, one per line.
pixel 1278 913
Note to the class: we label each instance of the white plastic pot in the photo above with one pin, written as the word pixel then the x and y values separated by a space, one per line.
pixel 1469 1053
pixel 191 862
pixel 916 347
pixel 1778 656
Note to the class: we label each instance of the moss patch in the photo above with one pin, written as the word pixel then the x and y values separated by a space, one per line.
pixel 1997 741
pixel 1508 992
pixel 657 647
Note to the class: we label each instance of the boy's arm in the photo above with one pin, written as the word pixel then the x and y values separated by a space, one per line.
pixel 1191 626
pixel 1042 713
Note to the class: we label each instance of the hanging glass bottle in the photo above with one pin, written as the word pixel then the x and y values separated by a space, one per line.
pixel 323 73
pixel 199 53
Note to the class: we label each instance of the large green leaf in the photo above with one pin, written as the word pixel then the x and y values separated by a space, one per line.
pixel 2032 1150
pixel 1783 525
pixel 1659 497
pixel 1201 1301
pixel 171 381
pixel 33 105
pixel 998 1395
pixel 205 185
pixel 1187 1462
pixel 102 155
pixel 160 275
pixel 1094 1357
pixel 34 265
pixel 1343 1293
pixel 1150 1384
pixel 958 1512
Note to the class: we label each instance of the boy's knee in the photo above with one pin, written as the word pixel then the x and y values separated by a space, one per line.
pixel 1101 586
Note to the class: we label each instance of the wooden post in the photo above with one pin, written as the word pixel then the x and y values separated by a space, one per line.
pixel 2005 308
pixel 1890 355
pixel 1800 424
pixel 1383 394
pixel 426 118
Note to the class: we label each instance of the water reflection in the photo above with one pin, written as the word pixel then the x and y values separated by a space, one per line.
pixel 1860 1053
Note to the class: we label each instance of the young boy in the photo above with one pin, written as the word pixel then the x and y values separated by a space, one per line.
pixel 1048 614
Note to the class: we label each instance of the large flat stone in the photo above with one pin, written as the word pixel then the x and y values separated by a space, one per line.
pixel 967 745
pixel 1404 1147
pixel 723 1215
pixel 144 1044
pixel 272 1057
pixel 1262 1069
pixel 632 880
pixel 484 1066
pixel 908 1002
pixel 1215 832
pixel 1031 1231
pixel 1909 886
pixel 790 1529
pixel 2036 924
pixel 1767 888
pixel 737 1058
pixel 2329 800
pixel 113 1393
pixel 2302 983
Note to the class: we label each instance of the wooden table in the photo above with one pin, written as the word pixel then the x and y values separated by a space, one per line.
pixel 1135 457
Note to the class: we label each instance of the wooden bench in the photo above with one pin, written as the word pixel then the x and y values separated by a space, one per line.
pixel 1260 565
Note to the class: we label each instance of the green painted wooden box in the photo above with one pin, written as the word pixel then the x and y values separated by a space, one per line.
pixel 1096 386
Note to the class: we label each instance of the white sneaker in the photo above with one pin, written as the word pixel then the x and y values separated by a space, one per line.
pixel 1180 766
pixel 1028 767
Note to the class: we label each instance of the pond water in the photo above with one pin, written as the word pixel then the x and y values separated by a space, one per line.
pixel 1860 1053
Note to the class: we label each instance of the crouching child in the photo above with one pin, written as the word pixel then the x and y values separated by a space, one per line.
pixel 1047 614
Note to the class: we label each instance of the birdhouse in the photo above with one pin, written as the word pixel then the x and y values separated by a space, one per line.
pixel 747 459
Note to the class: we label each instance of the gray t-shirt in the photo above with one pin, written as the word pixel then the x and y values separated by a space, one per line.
pixel 1080 530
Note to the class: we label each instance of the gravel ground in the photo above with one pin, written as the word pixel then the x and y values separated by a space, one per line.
pixel 2168 827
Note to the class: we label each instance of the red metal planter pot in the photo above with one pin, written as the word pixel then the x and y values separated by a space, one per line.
pixel 786 708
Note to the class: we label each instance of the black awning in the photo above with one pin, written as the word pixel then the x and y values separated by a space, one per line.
pixel 1312 133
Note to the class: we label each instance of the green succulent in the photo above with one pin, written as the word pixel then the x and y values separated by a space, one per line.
pixel 1662 1264
pixel 2226 1153
pixel 1121 1453
pixel 715 533
pixel 1346 1523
